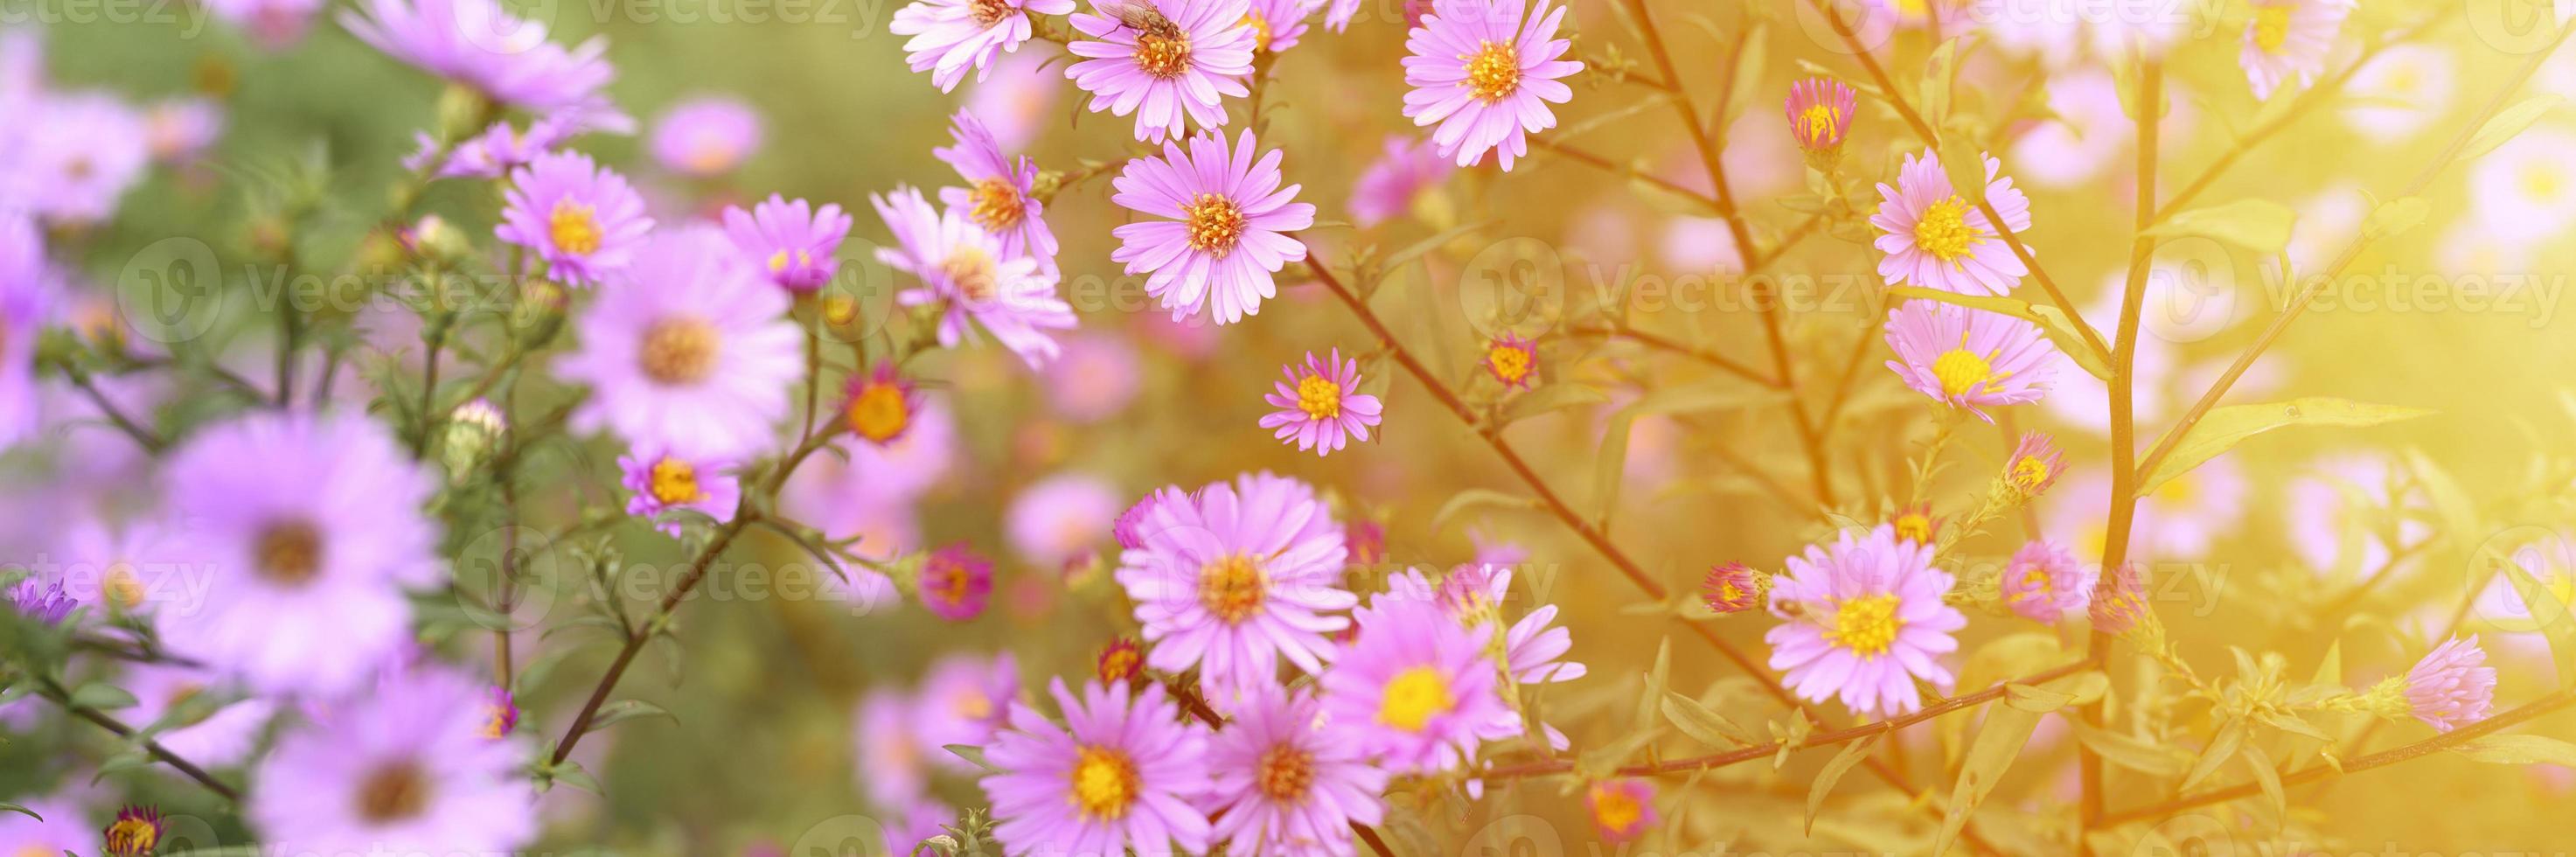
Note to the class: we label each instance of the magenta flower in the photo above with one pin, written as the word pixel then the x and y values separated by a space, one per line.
pixel 2289 37
pixel 405 768
pixel 1968 358
pixel 1621 809
pixel 1000 194
pixel 1056 520
pixel 1233 577
pixel 1276 24
pixel 25 302
pixel 42 599
pixel 503 148
pixel 790 241
pixel 2033 466
pixel 1174 59
pixel 1513 360
pixel 963 268
pixel 1415 688
pixel 1409 166
pixel 1533 649
pixel 956 582
pixel 951 36
pixel 1284 784
pixel 1820 114
pixel 1732 588
pixel 310 528
pixel 1222 227
pixel 2120 601
pixel 1862 618
pixel 706 136
pixel 1484 77
pixel 662 481
pixel 691 352
pixel 582 219
pixel 879 405
pixel 1122 773
pixel 1937 240
pixel 480 45
pixel 274 25
pixel 1319 405
pixel 2044 583
pixel 2452 686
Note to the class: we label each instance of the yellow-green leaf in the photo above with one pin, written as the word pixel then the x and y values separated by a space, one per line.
pixel 2260 225
pixel 1832 773
pixel 2519 750
pixel 1703 724
pixel 2395 217
pixel 1998 742
pixel 1476 498
pixel 2507 123
pixel 2223 428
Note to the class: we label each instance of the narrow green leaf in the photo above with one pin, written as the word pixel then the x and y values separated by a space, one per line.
pixel 2395 217
pixel 1750 60
pixel 11 807
pixel 1832 773
pixel 624 710
pixel 2222 747
pixel 2269 779
pixel 2260 225
pixel 2223 428
pixel 1655 682
pixel 2519 750
pixel 1998 742
pixel 1476 498
pixel 972 754
pixel 2509 122
pixel 1965 165
pixel 1703 724
pixel 101 696
pixel 1417 249
pixel 2131 753
pixel 1551 397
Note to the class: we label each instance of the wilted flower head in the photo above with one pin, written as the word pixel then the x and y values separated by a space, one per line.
pixel 136 832
pixel 2452 686
pixel 1621 809
pixel 706 136
pixel 1410 165
pixel 2034 464
pixel 500 714
pixel 1120 661
pixel 1863 618
pixel 1733 587
pixel 480 45
pixel 1485 75
pixel 2120 601
pixel 793 243
pixel 879 405
pixel 2044 582
pixel 1820 113
pixel 1319 405
pixel 1917 524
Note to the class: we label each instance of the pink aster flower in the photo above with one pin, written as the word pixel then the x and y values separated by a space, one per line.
pixel 790 241
pixel 964 699
pixel 2044 583
pixel 477 43
pixel 1277 24
pixel 1283 784
pixel 1000 194
pixel 1820 114
pixel 581 218
pixel 663 481
pixel 1170 62
pixel 1018 105
pixel 1416 689
pixel 310 528
pixel 706 136
pixel 274 24
pixel 1733 588
pixel 1533 649
pixel 892 759
pixel 1129 529
pixel 2120 601
pixel 1485 75
pixel 1057 519
pixel 180 130
pixel 1319 407
pixel 2289 37
pixel 963 268
pixel 78 154
pixel 1862 618
pixel 26 301
pixel 690 352
pixel 1513 360
pixel 1098 375
pixel 405 768
pixel 1622 809
pixel 495 152
pixel 1123 773
pixel 1234 577
pixel 215 725
pixel 880 405
pixel 1408 166
pixel 956 582
pixel 2452 686
pixel 1968 358
pixel 1937 240
pixel 951 36
pixel 1219 230
pixel 2033 466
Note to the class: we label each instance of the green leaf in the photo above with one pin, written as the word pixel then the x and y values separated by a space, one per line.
pixel 101 696
pixel 1965 165
pixel 1714 394
pixel 1832 773
pixel 624 710
pixel 2260 225
pixel 1939 71
pixel 11 807
pixel 1746 85
pixel 1655 683
pixel 2223 428
pixel 2547 610
pixel 2395 217
pixel 1602 762
pixel 2063 330
pixel 2519 750
pixel 1998 742
pixel 2131 753
pixel 2507 123
pixel 1551 397
pixel 1474 498
pixel 2222 747
pixel 2268 779
pixel 1703 724
pixel 969 752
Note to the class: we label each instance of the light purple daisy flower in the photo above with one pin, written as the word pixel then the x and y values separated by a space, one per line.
pixel 1319 405
pixel 125 571
pixel 1484 77
pixel 1000 194
pixel 23 306
pixel 1277 24
pixel 581 218
pixel 964 699
pixel 406 768
pixel 689 352
pixel 178 131
pixel 1862 618
pixel 1283 784
pixel 1387 188
pixel 2289 38
pixel 2452 686
pixel 1937 240
pixel 1533 647
pixel 309 527
pixel 1222 227
pixel 80 153
pixel 1174 59
pixel 481 45
pixel 41 598
pixel 1235 576
pixel 503 147
pixel 662 481
pixel 216 735
pixel 274 24
pixel 892 760
pixel 951 36
pixel 963 268
pixel 706 136
pixel 1969 358
pixel 2045 583
pixel 1121 774
pixel 1416 689
pixel 792 242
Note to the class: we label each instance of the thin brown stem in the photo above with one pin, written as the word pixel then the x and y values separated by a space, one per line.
pixel 52 690
pixel 1667 344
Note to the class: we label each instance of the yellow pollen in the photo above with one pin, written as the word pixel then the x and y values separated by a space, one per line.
pixel 675 482
pixel 977 276
pixel 1162 50
pixel 2034 585
pixel 1614 809
pixel 1866 625
pixel 2542 180
pixel 392 793
pixel 879 412
pixel 496 721
pixel 1510 363
pixel 1285 773
pixel 1232 588
pixel 1260 30
pixel 679 350
pixel 1914 527
pixel 995 205
pixel 1961 372
pixel 988 12
pixel 1415 696
pixel 1104 784
pixel 2028 472
pixel 123 590
pixel 2271 26
pixel 132 836
pixel 779 261
pixel 289 552
pixel 972 705
pixel 573 227
pixel 1319 397
pixel 1216 224
pixel 2178 491
pixel 1816 125
pixel 1493 71
pixel 1943 231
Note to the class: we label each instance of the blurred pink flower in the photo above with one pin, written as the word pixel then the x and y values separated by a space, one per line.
pixel 795 245
pixel 220 735
pixel 1622 809
pixel 692 352
pixel 1015 104
pixel 1095 378
pixel 583 220
pixel 479 44
pixel 2044 582
pixel 2403 89
pixel 2287 38
pixel 1386 189
pixel 405 768
pixel 956 582
pixel 2343 509
pixel 1061 517
pixel 706 136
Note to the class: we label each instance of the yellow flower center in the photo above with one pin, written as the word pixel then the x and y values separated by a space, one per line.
pixel 678 350
pixel 1914 527
pixel 1162 50
pixel 496 720
pixel 1961 372
pixel 573 227
pixel 995 205
pixel 1510 363
pixel 2178 491
pixel 393 793
pixel 1943 230
pixel 132 837
pixel 711 156
pixel 1232 588
pixel 2271 26
pixel 1216 224
pixel 675 482
pixel 1615 809
pixel 1260 30
pixel 2028 472
pixel 1104 784
pixel 289 552
pixel 972 704
pixel 2034 585
pixel 123 590
pixel 1285 773
pixel 879 412
pixel 988 12
pixel 779 261
pixel 1866 625
pixel 1493 71
pixel 1816 125
pixel 2542 180
pixel 976 274
pixel 1319 397
pixel 1415 696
